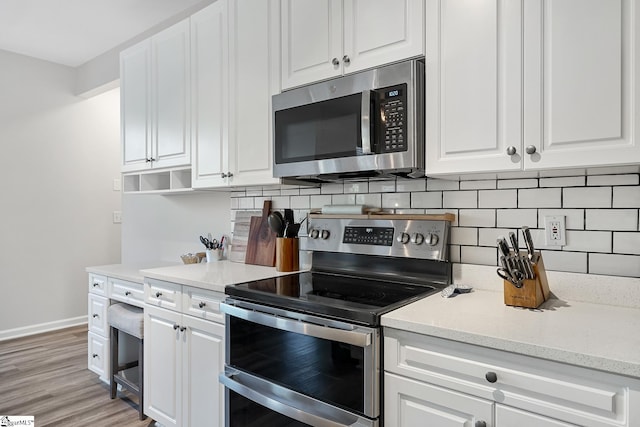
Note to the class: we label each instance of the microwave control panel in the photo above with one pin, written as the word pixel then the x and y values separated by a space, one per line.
pixel 393 115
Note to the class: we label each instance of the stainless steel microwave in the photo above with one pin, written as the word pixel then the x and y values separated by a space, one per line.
pixel 367 124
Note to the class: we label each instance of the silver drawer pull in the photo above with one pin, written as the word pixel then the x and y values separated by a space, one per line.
pixel 127 293
pixel 158 294
pixel 95 316
pixel 202 304
pixel 94 355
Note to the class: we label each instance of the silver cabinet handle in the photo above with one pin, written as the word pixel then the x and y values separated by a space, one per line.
pixel 95 316
pixel 353 337
pixel 158 294
pixel 346 59
pixel 531 149
pixel 491 377
pixel 365 113
pixel 511 150
pixel 94 355
pixel 127 293
pixel 224 175
pixel 335 62
pixel 202 304
pixel 175 327
pixel 183 328
pixel 96 284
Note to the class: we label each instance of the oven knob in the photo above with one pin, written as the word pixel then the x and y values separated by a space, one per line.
pixel 324 234
pixel 403 238
pixel 314 233
pixel 431 239
pixel 417 239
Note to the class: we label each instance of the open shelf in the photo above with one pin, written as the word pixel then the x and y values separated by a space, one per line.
pixel 157 182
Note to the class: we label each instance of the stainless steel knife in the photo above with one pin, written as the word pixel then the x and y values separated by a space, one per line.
pixel 528 240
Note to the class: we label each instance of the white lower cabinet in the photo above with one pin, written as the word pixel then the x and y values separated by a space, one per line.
pixel 183 356
pixel 434 381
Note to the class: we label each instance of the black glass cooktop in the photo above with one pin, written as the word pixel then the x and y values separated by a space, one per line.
pixel 336 296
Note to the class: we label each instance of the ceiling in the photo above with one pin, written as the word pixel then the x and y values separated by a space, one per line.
pixel 72 32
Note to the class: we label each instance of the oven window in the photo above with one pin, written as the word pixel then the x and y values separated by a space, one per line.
pixel 323 130
pixel 246 413
pixel 325 370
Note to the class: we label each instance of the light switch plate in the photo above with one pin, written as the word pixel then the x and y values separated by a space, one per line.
pixel 117 217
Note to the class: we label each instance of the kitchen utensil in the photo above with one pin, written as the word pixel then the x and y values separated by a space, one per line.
pixel 288 216
pixel 276 223
pixel 503 247
pixel 293 230
pixel 528 240
pixel 261 243
pixel 514 242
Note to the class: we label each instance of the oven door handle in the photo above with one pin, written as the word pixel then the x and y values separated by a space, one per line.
pixel 290 403
pixel 352 337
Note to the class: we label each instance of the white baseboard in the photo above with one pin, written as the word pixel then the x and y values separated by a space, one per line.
pixel 42 327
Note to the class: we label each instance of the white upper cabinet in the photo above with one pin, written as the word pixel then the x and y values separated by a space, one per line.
pixel 235 50
pixel 210 94
pixel 155 101
pixel 581 82
pixel 531 85
pixel 322 39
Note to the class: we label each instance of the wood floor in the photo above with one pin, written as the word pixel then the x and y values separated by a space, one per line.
pixel 46 376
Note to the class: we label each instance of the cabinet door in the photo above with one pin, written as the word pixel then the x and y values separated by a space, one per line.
pixel 210 92
pixel 378 32
pixel 98 355
pixel 581 90
pixel 98 323
pixel 135 87
pixel 170 96
pixel 473 72
pixel 254 75
pixel 203 356
pixel 163 365
pixel 311 41
pixel 409 403
pixel 506 417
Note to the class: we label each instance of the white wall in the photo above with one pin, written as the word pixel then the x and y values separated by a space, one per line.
pixel 161 228
pixel 59 156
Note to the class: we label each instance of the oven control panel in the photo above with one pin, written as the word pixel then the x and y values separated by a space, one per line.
pixel 409 236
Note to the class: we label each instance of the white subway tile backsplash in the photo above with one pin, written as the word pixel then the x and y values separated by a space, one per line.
pixel 612 170
pixel 409 185
pixel 460 199
pixel 615 265
pixel 486 184
pixel 626 243
pixel 478 255
pixel 369 200
pixel 332 188
pixel 307 191
pixel 574 218
pixel 497 198
pixel 626 197
pixel 427 200
pixel 271 192
pixel 382 186
pixel 594 197
pixel 240 193
pixel 540 198
pixel 455 212
pixel 574 262
pixel 632 179
pixel 278 202
pixel 300 202
pixel 518 183
pixel 477 218
pixel 454 253
pixel 464 236
pixel 562 172
pixel 409 211
pixel 290 192
pixel 245 203
pixel 517 175
pixel 567 181
pixel 318 202
pixel 489 236
pixel 516 218
pixel 434 184
pixel 588 241
pixel 253 191
pixel 612 219
pixel 235 203
pixel 356 187
pixel 396 200
pixel 343 199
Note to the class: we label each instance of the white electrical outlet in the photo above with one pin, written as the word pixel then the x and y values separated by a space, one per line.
pixel 554 230
pixel 117 185
pixel 117 217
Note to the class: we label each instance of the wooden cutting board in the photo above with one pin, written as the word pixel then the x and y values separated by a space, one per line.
pixel 240 235
pixel 261 243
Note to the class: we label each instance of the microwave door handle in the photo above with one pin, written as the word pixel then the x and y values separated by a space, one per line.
pixel 366 122
pixel 276 397
pixel 352 337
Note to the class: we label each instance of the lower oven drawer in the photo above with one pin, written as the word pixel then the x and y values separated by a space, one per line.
pixel 254 402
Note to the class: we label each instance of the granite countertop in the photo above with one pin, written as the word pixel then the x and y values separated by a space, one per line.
pixel 213 276
pixel 598 336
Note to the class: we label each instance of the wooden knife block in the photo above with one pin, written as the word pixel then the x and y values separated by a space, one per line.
pixel 533 291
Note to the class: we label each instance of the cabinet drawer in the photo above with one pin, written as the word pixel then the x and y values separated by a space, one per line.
pixel 125 291
pixel 202 304
pixel 163 294
pixel 98 315
pixel 97 284
pixel 98 355
pixel 569 393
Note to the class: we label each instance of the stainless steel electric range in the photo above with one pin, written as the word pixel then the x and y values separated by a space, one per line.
pixel 306 348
